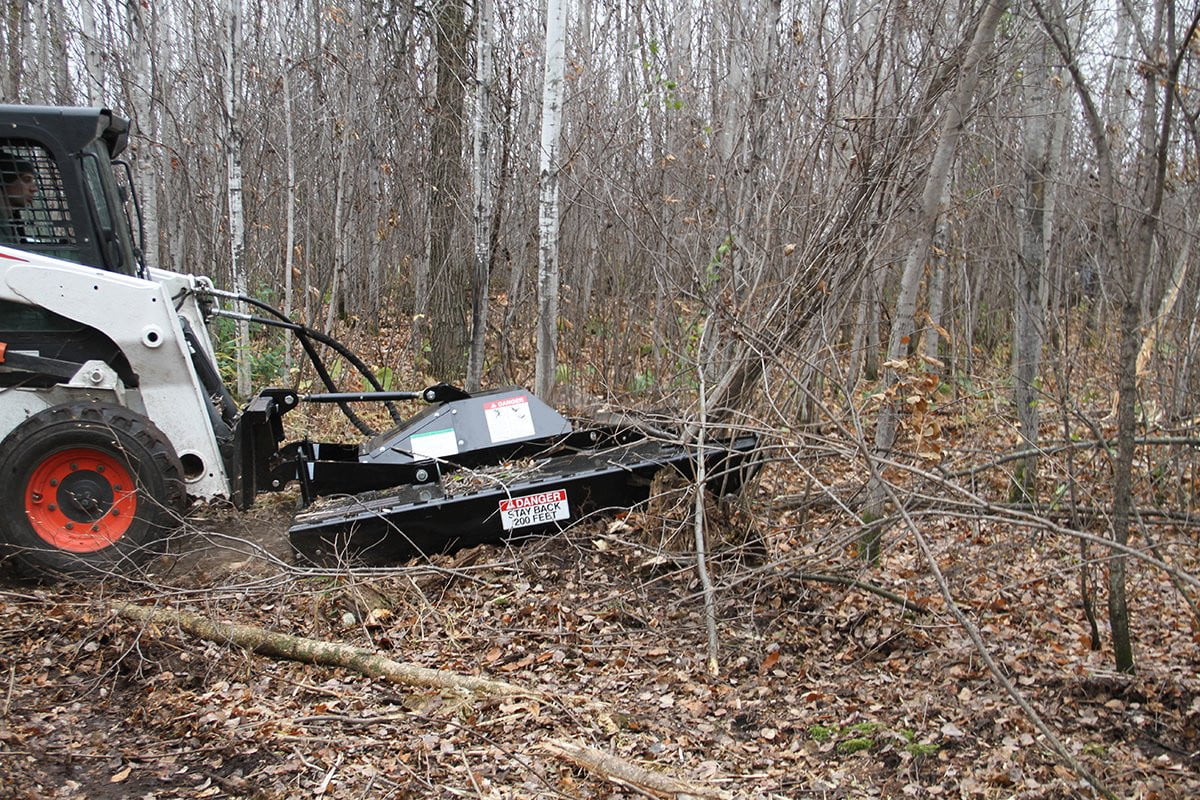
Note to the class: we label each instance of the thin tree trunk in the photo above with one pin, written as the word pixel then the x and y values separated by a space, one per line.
pixel 338 288
pixel 289 237
pixel 145 104
pixel 232 51
pixel 938 266
pixel 1029 313
pixel 93 76
pixel 314 651
pixel 448 303
pixel 699 521
pixel 904 321
pixel 548 201
pixel 481 173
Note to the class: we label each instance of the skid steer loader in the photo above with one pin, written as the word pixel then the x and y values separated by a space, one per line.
pixel 114 419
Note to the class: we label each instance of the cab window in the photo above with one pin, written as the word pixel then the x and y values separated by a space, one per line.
pixel 34 214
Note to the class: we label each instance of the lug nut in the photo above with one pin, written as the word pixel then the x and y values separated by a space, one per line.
pixel 52 507
pixel 36 497
pixel 99 468
pixel 53 482
pixel 70 526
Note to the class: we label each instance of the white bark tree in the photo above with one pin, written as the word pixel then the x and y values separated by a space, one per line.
pixel 904 321
pixel 93 76
pixel 1031 260
pixel 481 185
pixel 548 197
pixel 232 86
pixel 144 105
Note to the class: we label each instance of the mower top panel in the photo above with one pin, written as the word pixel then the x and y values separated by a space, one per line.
pixel 472 425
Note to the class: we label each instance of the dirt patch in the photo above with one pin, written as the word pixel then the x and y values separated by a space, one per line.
pixel 218 542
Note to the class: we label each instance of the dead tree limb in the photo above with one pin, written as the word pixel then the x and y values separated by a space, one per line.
pixel 625 773
pixel 854 583
pixel 972 631
pixel 313 651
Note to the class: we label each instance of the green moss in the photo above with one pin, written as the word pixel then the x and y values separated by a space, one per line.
pixel 847 746
pixel 920 750
pixel 820 733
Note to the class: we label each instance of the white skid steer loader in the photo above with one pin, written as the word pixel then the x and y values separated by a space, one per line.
pixel 114 419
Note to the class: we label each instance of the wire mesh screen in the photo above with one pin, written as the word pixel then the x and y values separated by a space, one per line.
pixel 33 204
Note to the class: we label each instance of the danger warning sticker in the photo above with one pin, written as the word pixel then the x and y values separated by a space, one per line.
pixel 534 509
pixel 509 418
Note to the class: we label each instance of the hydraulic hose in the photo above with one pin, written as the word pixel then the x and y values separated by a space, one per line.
pixel 305 335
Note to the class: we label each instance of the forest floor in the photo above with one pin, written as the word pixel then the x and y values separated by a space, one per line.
pixel 822 689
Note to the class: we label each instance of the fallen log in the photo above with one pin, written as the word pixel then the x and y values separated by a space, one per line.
pixel 625 773
pixel 313 651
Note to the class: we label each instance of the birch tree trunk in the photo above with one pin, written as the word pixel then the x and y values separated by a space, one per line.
pixel 93 77
pixel 904 321
pixel 232 86
pixel 338 288
pixel 14 45
pixel 938 267
pixel 481 175
pixel 143 100
pixel 548 200
pixel 289 236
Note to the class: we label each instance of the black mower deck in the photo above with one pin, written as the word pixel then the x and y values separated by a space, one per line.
pixel 503 502
pixel 469 469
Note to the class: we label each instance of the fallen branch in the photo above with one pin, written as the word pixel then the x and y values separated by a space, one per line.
pixel 1051 449
pixel 878 591
pixel 1074 764
pixel 313 651
pixel 625 773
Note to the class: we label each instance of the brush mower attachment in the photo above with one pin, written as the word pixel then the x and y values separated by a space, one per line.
pixel 470 469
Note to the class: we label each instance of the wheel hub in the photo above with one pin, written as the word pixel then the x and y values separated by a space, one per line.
pixel 85 496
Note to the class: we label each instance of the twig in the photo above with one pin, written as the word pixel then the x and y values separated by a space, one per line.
pixel 471 774
pixel 1100 444
pixel 324 785
pixel 842 580
pixel 981 647
pixel 12 680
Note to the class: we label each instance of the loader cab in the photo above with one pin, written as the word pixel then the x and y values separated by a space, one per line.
pixel 74 209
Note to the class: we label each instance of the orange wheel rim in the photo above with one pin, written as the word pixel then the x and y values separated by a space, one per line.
pixel 80 500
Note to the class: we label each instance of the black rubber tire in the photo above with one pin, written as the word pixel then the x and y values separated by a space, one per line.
pixel 105 434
